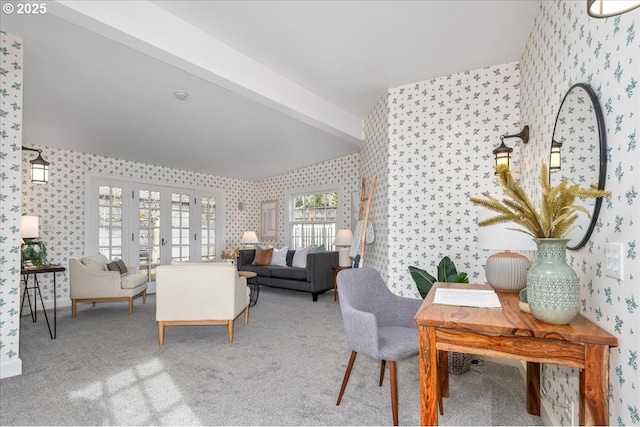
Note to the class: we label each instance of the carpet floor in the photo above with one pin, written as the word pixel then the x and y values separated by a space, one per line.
pixel 284 368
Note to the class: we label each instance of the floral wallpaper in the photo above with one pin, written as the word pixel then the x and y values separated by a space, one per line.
pixel 11 56
pixel 565 47
pixel 441 136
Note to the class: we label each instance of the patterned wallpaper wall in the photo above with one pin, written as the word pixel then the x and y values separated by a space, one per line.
pixel 341 173
pixel 442 133
pixel 374 158
pixel 566 46
pixel 10 154
pixel 60 204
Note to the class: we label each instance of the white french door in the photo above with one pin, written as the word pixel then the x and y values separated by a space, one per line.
pixel 149 225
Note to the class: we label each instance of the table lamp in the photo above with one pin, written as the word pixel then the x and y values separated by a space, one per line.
pixel 343 240
pixel 249 239
pixel 506 271
pixel 33 250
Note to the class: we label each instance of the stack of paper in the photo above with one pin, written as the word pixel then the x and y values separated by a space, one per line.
pixel 484 298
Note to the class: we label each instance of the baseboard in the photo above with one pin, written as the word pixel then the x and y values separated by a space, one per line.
pixel 546 410
pixel 11 368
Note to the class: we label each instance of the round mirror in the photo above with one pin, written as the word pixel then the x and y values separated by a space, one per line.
pixel 578 152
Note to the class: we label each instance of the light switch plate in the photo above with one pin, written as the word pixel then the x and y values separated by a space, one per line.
pixel 613 257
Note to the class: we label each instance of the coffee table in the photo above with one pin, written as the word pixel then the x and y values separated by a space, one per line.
pixel 254 288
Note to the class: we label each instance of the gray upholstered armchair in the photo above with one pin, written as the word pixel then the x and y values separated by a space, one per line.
pixel 378 324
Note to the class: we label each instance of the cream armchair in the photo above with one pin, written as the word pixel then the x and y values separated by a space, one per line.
pixel 200 294
pixel 91 281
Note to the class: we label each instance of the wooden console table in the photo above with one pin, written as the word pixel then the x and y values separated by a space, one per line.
pixel 513 334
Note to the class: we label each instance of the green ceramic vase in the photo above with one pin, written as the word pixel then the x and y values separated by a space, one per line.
pixel 553 287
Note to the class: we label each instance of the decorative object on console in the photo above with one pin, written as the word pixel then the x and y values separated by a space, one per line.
pixel 447 272
pixel 502 154
pixel 39 167
pixel 506 271
pixel 551 289
pixel 249 239
pixel 607 8
pixel 343 240
pixel 230 256
pixel 33 251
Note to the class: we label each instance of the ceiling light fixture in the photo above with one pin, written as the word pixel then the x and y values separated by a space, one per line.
pixel 181 95
pixel 39 167
pixel 607 8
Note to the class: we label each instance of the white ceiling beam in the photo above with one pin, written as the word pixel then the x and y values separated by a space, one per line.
pixel 153 31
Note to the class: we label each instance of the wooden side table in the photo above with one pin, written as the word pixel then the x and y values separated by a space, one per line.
pixel 336 270
pixel 253 286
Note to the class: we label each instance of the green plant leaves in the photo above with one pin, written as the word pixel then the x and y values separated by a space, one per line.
pixel 446 273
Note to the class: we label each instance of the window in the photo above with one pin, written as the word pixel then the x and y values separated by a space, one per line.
pixel 313 218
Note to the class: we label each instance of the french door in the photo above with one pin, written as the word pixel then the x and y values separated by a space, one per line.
pixel 150 225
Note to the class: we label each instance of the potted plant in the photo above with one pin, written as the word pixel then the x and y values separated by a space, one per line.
pixel 447 272
pixel 553 287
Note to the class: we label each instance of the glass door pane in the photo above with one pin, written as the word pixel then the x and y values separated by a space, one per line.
pixel 149 232
pixel 110 221
pixel 208 229
pixel 180 226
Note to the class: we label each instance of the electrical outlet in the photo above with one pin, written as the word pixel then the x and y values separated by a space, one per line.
pixel 614 258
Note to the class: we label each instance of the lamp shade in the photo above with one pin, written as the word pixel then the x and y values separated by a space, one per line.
pixel 343 238
pixel 29 227
pixel 555 158
pixel 502 156
pixel 606 8
pixel 249 237
pixel 39 170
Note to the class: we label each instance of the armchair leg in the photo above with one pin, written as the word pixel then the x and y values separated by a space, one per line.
pixel 144 297
pixel 161 333
pixel 394 392
pixel 73 308
pixel 346 376
pixel 246 315
pixel 130 305
pixel 382 364
pixel 230 330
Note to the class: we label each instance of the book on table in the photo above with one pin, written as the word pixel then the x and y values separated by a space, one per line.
pixel 483 298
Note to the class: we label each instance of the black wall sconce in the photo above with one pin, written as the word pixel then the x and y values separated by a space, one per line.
pixel 502 154
pixel 607 8
pixel 555 159
pixel 39 167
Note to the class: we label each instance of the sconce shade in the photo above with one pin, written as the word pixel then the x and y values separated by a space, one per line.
pixel 506 271
pixel 503 156
pixel 29 227
pixel 249 237
pixel 39 167
pixel 606 8
pixel 555 160
pixel 343 238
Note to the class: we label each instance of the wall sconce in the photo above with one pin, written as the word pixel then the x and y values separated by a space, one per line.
pixel 249 239
pixel 39 167
pixel 502 154
pixel 607 8
pixel 555 160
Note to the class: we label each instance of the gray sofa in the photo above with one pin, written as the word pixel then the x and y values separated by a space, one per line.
pixel 316 279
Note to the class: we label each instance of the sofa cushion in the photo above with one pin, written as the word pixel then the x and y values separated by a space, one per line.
pixel 259 248
pixel 264 257
pixel 130 281
pixel 292 273
pixel 300 258
pixel 279 257
pixel 95 262
pixel 117 265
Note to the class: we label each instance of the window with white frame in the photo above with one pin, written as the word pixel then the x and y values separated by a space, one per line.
pixel 312 219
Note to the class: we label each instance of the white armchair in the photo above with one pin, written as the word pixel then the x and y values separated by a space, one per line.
pixel 200 294
pixel 91 281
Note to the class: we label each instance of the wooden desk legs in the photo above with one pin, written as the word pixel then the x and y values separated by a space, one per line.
pixel 594 384
pixel 533 388
pixel 428 376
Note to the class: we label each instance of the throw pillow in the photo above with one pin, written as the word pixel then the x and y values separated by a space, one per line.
pixel 259 248
pixel 280 257
pixel 95 262
pixel 300 258
pixel 117 265
pixel 264 257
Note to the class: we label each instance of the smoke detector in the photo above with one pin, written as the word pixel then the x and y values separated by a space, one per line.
pixel 181 95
